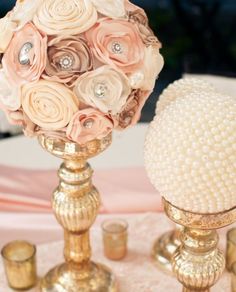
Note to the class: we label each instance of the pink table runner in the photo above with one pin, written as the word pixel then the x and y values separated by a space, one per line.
pixel 122 190
pixel 136 273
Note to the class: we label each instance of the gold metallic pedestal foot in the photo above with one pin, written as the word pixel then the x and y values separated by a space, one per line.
pixel 164 248
pixel 75 203
pixel 198 263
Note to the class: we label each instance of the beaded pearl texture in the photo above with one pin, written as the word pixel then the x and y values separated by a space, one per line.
pixel 190 151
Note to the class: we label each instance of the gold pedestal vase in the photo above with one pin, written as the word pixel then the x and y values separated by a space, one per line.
pixel 75 203
pixel 164 249
pixel 198 263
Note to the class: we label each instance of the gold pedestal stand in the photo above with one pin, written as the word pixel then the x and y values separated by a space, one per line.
pixel 198 263
pixel 164 248
pixel 75 203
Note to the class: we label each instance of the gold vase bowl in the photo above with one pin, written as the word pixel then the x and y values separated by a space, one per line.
pixel 198 263
pixel 75 203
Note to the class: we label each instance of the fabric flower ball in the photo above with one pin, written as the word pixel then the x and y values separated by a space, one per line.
pixel 65 17
pixel 110 8
pixel 25 58
pixel 48 104
pixel 24 11
pixel 87 125
pixel 9 94
pixel 104 88
pixel 131 112
pixel 117 42
pixel 145 77
pixel 7 27
pixel 68 57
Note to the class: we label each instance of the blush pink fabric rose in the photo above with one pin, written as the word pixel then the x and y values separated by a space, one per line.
pixel 68 58
pixel 30 46
pixel 131 112
pixel 89 124
pixel 116 42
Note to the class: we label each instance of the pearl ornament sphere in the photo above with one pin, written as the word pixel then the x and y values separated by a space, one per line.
pixel 190 154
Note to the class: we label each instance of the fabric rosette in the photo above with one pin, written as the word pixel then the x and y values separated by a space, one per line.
pixel 65 17
pixel 25 58
pixel 68 57
pixel 7 27
pixel 110 8
pixel 131 112
pixel 105 88
pixel 117 42
pixel 89 124
pixel 49 105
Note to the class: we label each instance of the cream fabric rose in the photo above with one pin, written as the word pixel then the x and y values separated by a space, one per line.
pixel 48 104
pixel 104 88
pixel 117 42
pixel 9 94
pixel 30 46
pixel 110 8
pixel 24 11
pixel 131 112
pixel 67 17
pixel 68 57
pixel 146 76
pixel 7 27
pixel 87 125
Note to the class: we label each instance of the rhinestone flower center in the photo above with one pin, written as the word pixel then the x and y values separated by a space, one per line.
pixel 66 62
pixel 117 48
pixel 88 124
pixel 24 57
pixel 100 90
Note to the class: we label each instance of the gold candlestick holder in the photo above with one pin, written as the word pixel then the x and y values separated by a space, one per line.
pixel 75 203
pixel 198 263
pixel 164 249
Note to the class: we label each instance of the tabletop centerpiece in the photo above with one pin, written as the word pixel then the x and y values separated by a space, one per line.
pixel 71 72
pixel 190 159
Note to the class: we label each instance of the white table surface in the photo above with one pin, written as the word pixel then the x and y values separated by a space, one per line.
pixel 126 151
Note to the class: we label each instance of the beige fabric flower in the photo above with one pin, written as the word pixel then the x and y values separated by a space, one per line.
pixel 24 11
pixel 9 94
pixel 25 58
pixel 110 8
pixel 146 76
pixel 104 88
pixel 48 104
pixel 67 17
pixel 68 57
pixel 7 27
pixel 89 124
pixel 131 112
pixel 116 42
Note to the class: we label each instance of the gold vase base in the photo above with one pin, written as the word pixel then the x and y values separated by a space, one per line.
pixel 62 279
pixel 189 290
pixel 163 250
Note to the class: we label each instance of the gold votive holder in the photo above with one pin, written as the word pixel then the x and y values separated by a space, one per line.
pixel 20 264
pixel 115 239
pixel 233 277
pixel 231 249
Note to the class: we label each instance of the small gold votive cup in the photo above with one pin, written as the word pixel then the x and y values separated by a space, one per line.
pixel 231 249
pixel 115 239
pixel 20 264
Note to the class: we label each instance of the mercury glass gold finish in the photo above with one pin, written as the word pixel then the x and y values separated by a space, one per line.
pixel 198 263
pixel 20 264
pixel 231 249
pixel 75 203
pixel 233 277
pixel 164 248
pixel 115 238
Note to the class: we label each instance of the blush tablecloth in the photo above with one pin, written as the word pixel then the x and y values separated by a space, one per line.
pixel 137 272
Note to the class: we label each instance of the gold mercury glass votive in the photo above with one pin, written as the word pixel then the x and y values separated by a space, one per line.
pixel 233 277
pixel 231 249
pixel 115 239
pixel 20 264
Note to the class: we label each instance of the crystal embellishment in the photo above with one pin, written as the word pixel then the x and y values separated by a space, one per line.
pixel 88 124
pixel 66 62
pixel 100 90
pixel 24 58
pixel 117 48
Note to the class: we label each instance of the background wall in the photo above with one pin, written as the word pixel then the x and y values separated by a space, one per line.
pixel 198 36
